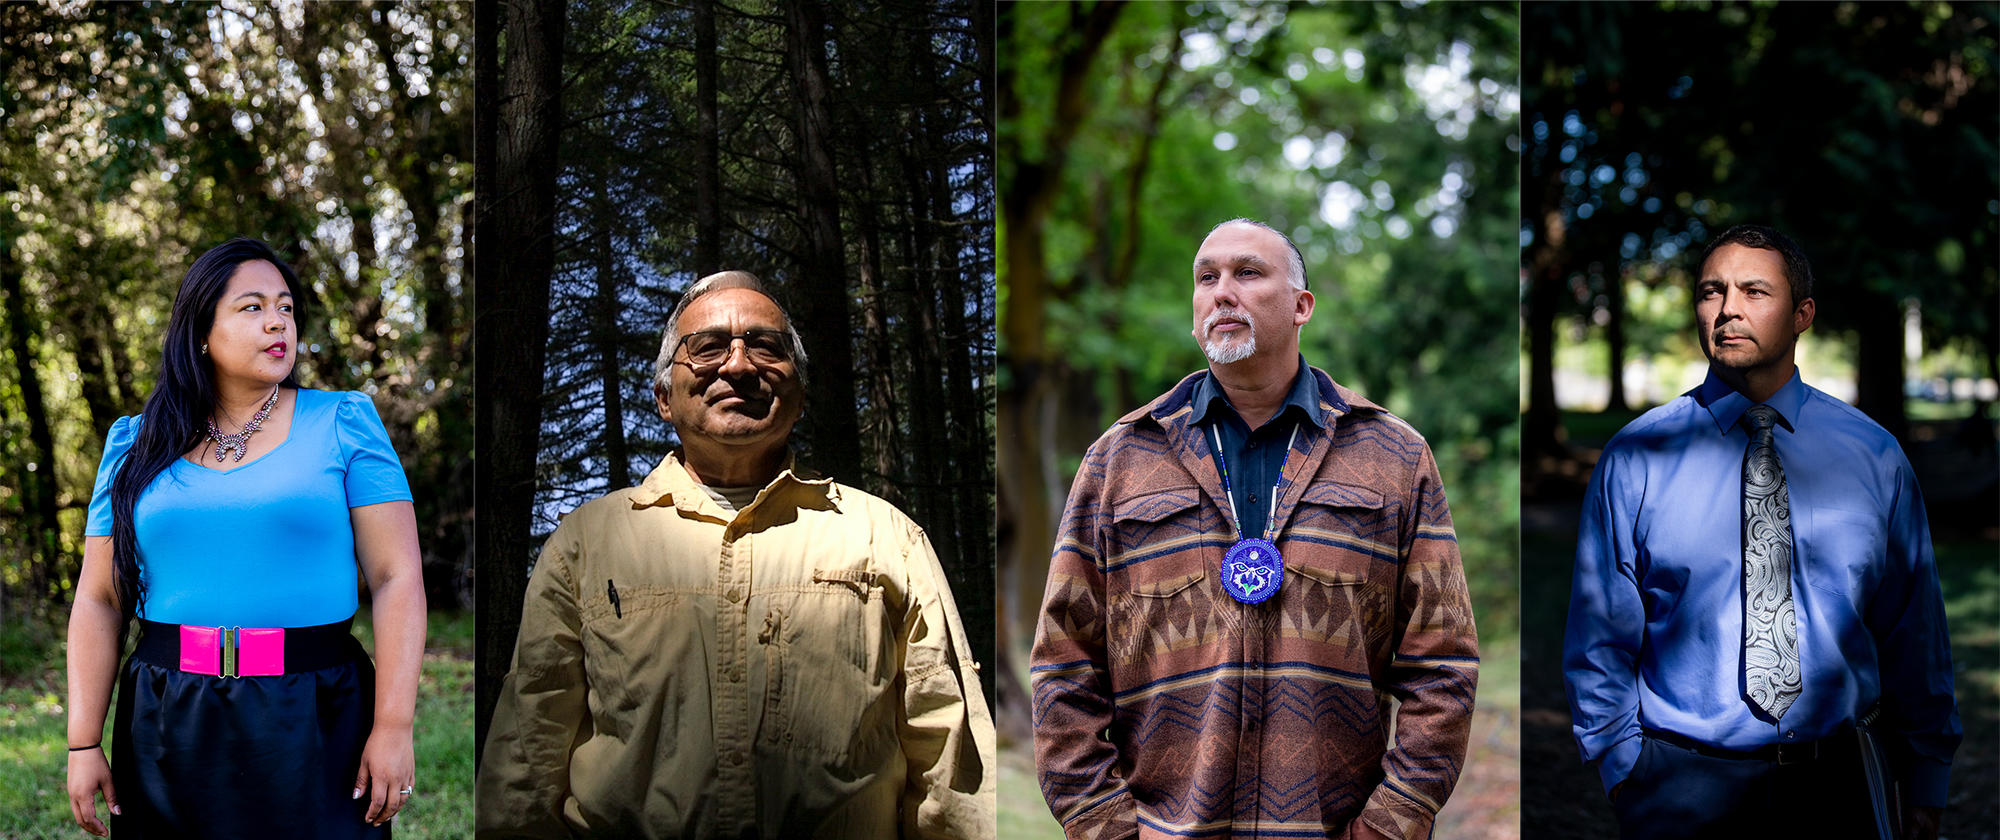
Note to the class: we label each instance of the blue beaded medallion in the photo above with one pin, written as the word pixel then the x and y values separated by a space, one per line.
pixel 1252 571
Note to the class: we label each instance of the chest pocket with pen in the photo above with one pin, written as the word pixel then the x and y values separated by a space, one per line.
pixel 638 649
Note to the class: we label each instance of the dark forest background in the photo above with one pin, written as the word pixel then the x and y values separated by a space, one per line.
pixel 843 153
pixel 1865 131
pixel 133 137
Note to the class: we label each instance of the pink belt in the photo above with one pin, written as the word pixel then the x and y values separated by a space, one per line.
pixel 246 651
pixel 233 651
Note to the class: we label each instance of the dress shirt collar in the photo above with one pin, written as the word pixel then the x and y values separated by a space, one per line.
pixel 1726 406
pixel 1303 396
pixel 670 483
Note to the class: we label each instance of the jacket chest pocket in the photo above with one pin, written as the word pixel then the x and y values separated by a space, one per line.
pixel 1161 593
pixel 830 666
pixel 1161 524
pixel 1342 562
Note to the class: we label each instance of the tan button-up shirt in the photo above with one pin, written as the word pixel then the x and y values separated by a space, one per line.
pixel 793 669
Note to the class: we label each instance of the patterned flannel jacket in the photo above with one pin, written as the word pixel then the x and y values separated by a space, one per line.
pixel 1165 708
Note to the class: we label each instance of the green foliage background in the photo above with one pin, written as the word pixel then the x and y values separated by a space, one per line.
pixel 132 138
pixel 1415 292
pixel 1384 138
pixel 137 136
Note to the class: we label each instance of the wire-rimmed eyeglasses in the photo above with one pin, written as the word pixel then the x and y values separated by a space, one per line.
pixel 706 350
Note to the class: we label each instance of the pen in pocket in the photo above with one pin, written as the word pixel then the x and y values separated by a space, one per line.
pixel 611 590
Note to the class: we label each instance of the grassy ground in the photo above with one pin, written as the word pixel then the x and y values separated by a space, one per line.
pixel 1486 803
pixel 32 755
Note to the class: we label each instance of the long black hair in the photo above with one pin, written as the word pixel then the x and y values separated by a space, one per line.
pixel 176 415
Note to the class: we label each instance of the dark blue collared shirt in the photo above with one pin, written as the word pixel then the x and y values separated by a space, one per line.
pixel 1254 457
pixel 1655 635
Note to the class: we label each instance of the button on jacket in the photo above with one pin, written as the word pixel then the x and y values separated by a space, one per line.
pixel 1656 607
pixel 1164 708
pixel 793 669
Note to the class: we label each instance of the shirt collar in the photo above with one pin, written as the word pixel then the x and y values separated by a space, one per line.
pixel 1304 396
pixel 670 483
pixel 1726 406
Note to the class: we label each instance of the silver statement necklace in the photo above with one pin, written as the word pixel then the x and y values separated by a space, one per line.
pixel 240 442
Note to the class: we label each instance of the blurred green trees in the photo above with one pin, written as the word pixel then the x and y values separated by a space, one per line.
pixel 1382 137
pixel 133 137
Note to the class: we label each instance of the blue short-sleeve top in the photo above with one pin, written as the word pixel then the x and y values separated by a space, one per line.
pixel 269 543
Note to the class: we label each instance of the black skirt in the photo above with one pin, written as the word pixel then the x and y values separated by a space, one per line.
pixel 250 757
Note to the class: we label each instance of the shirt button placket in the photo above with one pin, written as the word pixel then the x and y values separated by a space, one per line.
pixel 737 786
pixel 1250 752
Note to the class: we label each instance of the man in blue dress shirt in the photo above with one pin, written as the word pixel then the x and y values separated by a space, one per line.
pixel 1754 577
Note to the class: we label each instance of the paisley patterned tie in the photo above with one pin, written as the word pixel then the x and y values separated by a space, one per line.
pixel 1770 631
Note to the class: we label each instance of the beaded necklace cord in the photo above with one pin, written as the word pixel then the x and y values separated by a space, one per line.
pixel 1222 466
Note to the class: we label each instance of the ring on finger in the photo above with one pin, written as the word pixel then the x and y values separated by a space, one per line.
pixel 407 790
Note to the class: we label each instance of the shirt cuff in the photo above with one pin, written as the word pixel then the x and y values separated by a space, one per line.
pixel 1392 813
pixel 1618 761
pixel 1926 782
pixel 1114 817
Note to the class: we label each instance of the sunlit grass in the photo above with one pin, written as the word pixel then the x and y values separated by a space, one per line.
pixel 1024 815
pixel 33 804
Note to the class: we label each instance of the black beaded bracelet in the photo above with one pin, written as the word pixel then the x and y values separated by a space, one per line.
pixel 91 747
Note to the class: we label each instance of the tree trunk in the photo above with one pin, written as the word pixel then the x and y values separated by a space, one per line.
pixel 99 389
pixel 129 401
pixel 1614 336
pixel 969 256
pixel 608 337
pixel 708 144
pixel 919 319
pixel 1541 428
pixel 883 432
pixel 1878 372
pixel 426 143
pixel 927 437
pixel 1029 497
pixel 1135 178
pixel 822 300
pixel 38 477
pixel 519 129
pixel 366 310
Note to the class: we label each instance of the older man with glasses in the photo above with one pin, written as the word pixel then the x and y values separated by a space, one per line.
pixel 735 647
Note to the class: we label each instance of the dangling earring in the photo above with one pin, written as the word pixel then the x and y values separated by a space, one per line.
pixel 204 348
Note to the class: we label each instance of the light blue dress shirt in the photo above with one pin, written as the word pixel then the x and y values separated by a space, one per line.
pixel 269 543
pixel 1655 631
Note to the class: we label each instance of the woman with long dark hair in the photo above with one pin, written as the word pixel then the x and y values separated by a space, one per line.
pixel 229 519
